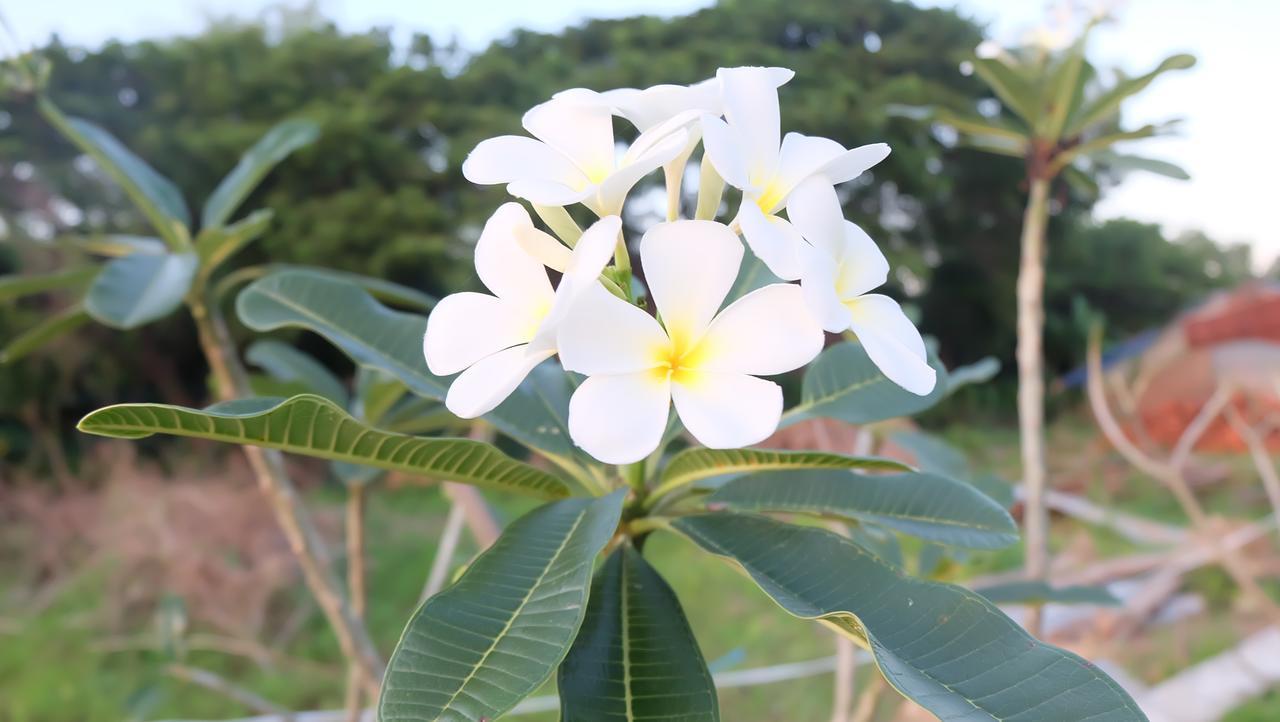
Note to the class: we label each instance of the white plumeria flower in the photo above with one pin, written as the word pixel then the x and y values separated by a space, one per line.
pixel 496 340
pixel 747 154
pixel 839 266
pixel 573 159
pixel 707 363
pixel 663 108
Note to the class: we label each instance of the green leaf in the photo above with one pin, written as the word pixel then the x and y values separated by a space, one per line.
pixel 693 465
pixel 843 383
pixel 978 372
pixel 346 316
pixel 1124 163
pixel 216 244
pixel 374 335
pixel 1037 592
pixel 1010 86
pixel 476 649
pixel 635 658
pixel 1101 144
pixel 17 286
pixel 286 363
pixel 141 288
pixel 155 196
pixel 1108 103
pixel 314 426
pixel 382 290
pixel 1015 139
pixel 927 506
pixel 945 647
pixel 933 454
pixel 1064 85
pixel 116 245
pixel 254 165
pixel 60 324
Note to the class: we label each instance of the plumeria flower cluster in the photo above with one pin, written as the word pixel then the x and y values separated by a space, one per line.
pixel 681 346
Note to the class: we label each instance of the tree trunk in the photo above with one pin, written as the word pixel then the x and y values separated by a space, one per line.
pixel 1031 377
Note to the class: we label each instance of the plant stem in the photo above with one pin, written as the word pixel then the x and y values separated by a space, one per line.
pixel 300 531
pixel 1031 377
pixel 355 587
pixel 216 683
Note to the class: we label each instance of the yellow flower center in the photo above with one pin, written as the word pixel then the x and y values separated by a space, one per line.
pixel 770 197
pixel 678 360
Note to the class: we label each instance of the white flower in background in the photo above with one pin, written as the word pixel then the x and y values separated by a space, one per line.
pixel 707 363
pixel 496 340
pixel 573 159
pixel 746 152
pixel 839 266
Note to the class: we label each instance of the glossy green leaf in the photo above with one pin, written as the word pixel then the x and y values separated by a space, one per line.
pixel 1037 592
pixel 17 286
pixel 934 455
pixel 138 289
pixel 1108 103
pixel 635 658
pixel 314 426
pixel 948 648
pixel 53 327
pixel 254 165
pixel 536 414
pixel 154 195
pixel 346 316
pixel 1010 86
pixel 843 383
pixel 1063 85
pixel 476 649
pixel 286 363
pixel 923 505
pixel 693 465
pixel 396 294
pixel 216 244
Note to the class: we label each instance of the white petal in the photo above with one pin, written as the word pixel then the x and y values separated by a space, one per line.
pixel 862 265
pixel 512 157
pixel 801 157
pixel 751 107
pixel 620 419
pixel 581 274
pixel 480 389
pixel 724 148
pixel 544 247
pixel 892 342
pixel 818 283
pixel 689 267
pixel 852 163
pixel 466 327
pixel 549 193
pixel 504 267
pixel 768 331
pixel 603 334
pixel 773 240
pixel 582 131
pixel 727 411
pixel 613 191
pixel 814 210
pixel 651 106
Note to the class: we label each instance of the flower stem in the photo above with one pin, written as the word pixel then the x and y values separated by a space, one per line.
pixel 710 190
pixel 560 222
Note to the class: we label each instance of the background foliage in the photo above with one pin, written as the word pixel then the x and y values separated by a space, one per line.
pixel 382 193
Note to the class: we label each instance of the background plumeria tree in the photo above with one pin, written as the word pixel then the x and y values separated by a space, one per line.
pixel 697 323
pixel 1062 116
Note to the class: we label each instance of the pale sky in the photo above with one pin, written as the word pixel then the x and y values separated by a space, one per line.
pixel 1230 100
